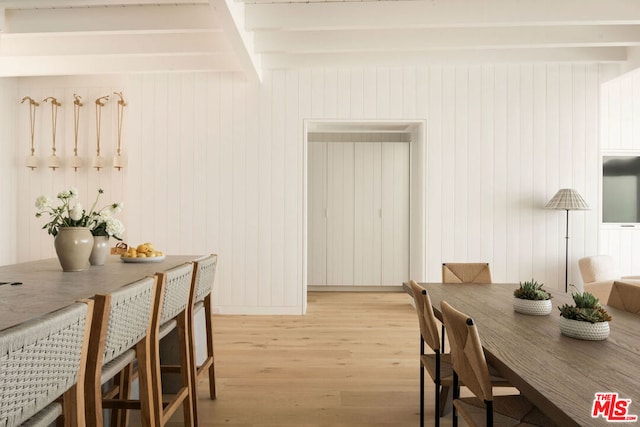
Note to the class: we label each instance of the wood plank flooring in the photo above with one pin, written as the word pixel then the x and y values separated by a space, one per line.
pixel 352 360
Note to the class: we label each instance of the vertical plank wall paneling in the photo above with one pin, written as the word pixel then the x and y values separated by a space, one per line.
pixel 13 153
pixel 620 132
pixel 216 164
pixel 32 241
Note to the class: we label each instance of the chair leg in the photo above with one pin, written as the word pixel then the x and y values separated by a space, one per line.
pixel 191 336
pixel 436 408
pixel 456 394
pixel 93 402
pixel 444 399
pixel 73 408
pixel 421 395
pixel 121 416
pixel 438 414
pixel 208 315
pixel 186 368
pixel 422 368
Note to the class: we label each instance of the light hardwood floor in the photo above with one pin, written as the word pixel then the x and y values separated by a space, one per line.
pixel 352 360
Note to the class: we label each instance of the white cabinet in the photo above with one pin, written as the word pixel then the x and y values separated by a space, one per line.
pixel 358 213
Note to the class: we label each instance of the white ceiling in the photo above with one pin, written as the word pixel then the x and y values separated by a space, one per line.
pixel 59 37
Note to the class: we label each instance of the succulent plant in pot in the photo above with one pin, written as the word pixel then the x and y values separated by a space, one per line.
pixel 586 320
pixel 531 298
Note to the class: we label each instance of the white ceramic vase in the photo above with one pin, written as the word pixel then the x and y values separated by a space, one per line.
pixel 73 247
pixel 532 307
pixel 584 330
pixel 100 250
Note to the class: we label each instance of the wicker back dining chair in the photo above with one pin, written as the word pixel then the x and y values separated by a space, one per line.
pixel 204 273
pixel 42 360
pixel 174 311
pixel 120 335
pixel 625 296
pixel 438 365
pixel 470 366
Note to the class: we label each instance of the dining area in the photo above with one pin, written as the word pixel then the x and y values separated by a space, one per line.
pixel 86 347
pixel 566 381
pixel 560 377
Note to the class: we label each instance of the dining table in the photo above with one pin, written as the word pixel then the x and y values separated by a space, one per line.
pixel 29 290
pixel 558 374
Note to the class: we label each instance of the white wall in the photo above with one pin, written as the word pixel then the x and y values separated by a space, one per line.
pixel 620 131
pixel 8 166
pixel 216 165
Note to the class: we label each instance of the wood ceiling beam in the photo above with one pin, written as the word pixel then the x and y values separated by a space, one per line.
pixel 446 38
pixel 231 19
pixel 49 4
pixel 439 14
pixel 130 18
pixel 475 56
pixel 205 42
pixel 24 66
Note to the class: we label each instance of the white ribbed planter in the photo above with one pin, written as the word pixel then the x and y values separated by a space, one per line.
pixel 532 307
pixel 584 330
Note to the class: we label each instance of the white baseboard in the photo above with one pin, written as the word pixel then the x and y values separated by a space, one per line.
pixel 344 288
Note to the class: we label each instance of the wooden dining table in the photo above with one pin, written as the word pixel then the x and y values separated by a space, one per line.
pixel 32 289
pixel 560 375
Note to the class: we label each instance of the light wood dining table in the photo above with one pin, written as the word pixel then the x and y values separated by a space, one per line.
pixel 560 375
pixel 45 287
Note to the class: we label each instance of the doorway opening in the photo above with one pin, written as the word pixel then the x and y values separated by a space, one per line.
pixel 365 204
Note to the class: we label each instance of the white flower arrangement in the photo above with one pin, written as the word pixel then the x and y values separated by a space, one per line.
pixel 101 222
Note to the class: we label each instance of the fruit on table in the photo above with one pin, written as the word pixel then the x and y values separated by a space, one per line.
pixel 144 250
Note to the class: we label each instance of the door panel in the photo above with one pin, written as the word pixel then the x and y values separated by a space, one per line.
pixel 363 225
pixel 317 233
pixel 368 252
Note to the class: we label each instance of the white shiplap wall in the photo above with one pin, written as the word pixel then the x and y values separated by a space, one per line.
pixel 216 165
pixel 620 132
pixel 8 168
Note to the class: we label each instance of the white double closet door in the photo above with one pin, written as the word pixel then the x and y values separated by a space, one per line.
pixel 358 213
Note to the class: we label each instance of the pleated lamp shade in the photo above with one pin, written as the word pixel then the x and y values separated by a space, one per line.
pixel 567 199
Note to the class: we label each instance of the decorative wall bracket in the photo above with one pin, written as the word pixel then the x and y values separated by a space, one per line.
pixel 32 160
pixel 98 161
pixel 119 161
pixel 76 161
pixel 54 161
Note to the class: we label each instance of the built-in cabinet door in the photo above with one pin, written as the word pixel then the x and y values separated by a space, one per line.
pixel 395 213
pixel 367 209
pixel 358 213
pixel 317 214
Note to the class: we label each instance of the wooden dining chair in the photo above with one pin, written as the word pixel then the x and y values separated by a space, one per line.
pixel 173 311
pixel 120 335
pixel 470 367
pixel 625 296
pixel 42 360
pixel 204 273
pixel 438 365
pixel 465 272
